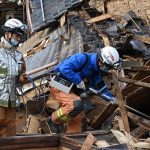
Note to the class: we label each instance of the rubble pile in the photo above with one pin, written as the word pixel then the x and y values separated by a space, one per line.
pixel 74 27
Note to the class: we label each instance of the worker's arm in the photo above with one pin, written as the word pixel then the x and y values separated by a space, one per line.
pixel 23 77
pixel 97 83
pixel 69 66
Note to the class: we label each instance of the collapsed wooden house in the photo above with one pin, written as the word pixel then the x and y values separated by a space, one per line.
pixel 62 28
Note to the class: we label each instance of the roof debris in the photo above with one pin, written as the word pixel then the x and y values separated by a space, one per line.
pixel 62 28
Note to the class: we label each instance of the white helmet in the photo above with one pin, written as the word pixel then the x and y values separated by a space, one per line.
pixel 110 57
pixel 15 26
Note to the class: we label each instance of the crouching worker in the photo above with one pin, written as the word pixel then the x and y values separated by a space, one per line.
pixel 76 69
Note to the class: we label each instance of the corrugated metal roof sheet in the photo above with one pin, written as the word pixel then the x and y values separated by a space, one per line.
pixel 57 48
pixel 45 12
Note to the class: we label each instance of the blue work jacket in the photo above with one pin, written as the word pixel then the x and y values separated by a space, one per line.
pixel 68 68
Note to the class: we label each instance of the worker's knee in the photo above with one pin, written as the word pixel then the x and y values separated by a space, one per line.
pixel 78 107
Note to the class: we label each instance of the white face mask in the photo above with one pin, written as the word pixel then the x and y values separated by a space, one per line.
pixel 14 42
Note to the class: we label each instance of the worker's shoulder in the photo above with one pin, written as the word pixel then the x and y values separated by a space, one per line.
pixel 80 54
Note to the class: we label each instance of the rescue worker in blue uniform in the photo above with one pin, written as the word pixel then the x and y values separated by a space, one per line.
pixel 76 68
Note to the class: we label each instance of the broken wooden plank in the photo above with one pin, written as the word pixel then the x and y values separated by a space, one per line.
pixel 30 141
pixel 134 88
pixel 72 143
pixel 100 113
pixel 121 102
pixel 102 143
pixel 145 123
pixel 139 132
pixel 142 38
pixel 99 18
pixel 62 20
pixel 90 139
pixel 142 145
pixel 120 136
pixel 34 40
pixel 142 68
pixel 102 34
pixel 134 22
pixel 140 75
pixel 131 81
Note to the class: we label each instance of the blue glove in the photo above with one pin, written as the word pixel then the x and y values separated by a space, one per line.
pixel 107 96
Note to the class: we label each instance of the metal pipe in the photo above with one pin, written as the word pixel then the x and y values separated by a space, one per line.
pixel 42 68
pixel 136 111
pixel 42 9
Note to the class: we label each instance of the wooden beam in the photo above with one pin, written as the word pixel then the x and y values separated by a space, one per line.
pixel 142 68
pixel 139 132
pixel 102 143
pixel 142 145
pixel 142 38
pixel 34 141
pixel 101 33
pixel 90 139
pixel 72 143
pixel 121 102
pixel 145 123
pixel 99 18
pixel 100 113
pixel 120 136
pixel 131 81
pixel 84 134
pixel 27 142
pixel 133 88
pixel 123 111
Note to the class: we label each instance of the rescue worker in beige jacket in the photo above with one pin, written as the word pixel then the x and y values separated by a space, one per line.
pixel 12 68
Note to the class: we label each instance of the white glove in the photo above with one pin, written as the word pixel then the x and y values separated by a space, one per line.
pixel 81 85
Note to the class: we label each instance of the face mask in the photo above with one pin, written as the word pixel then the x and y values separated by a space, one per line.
pixel 14 42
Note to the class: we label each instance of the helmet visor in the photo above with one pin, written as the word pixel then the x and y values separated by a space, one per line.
pixel 115 66
pixel 20 30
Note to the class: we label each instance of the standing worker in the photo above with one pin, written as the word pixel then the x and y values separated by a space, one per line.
pixel 12 69
pixel 76 69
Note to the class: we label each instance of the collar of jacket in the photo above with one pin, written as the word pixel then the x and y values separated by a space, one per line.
pixel 5 44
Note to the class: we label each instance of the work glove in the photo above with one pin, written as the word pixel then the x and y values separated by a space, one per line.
pixel 23 78
pixel 107 96
pixel 81 85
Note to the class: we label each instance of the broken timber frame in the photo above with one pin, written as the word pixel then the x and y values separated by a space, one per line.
pixel 145 123
pixel 123 111
pixel 121 102
pixel 104 37
pixel 139 83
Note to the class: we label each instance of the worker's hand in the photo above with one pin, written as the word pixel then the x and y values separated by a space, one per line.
pixel 23 78
pixel 107 96
pixel 81 85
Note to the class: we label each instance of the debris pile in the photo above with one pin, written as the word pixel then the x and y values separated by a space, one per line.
pixel 70 26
